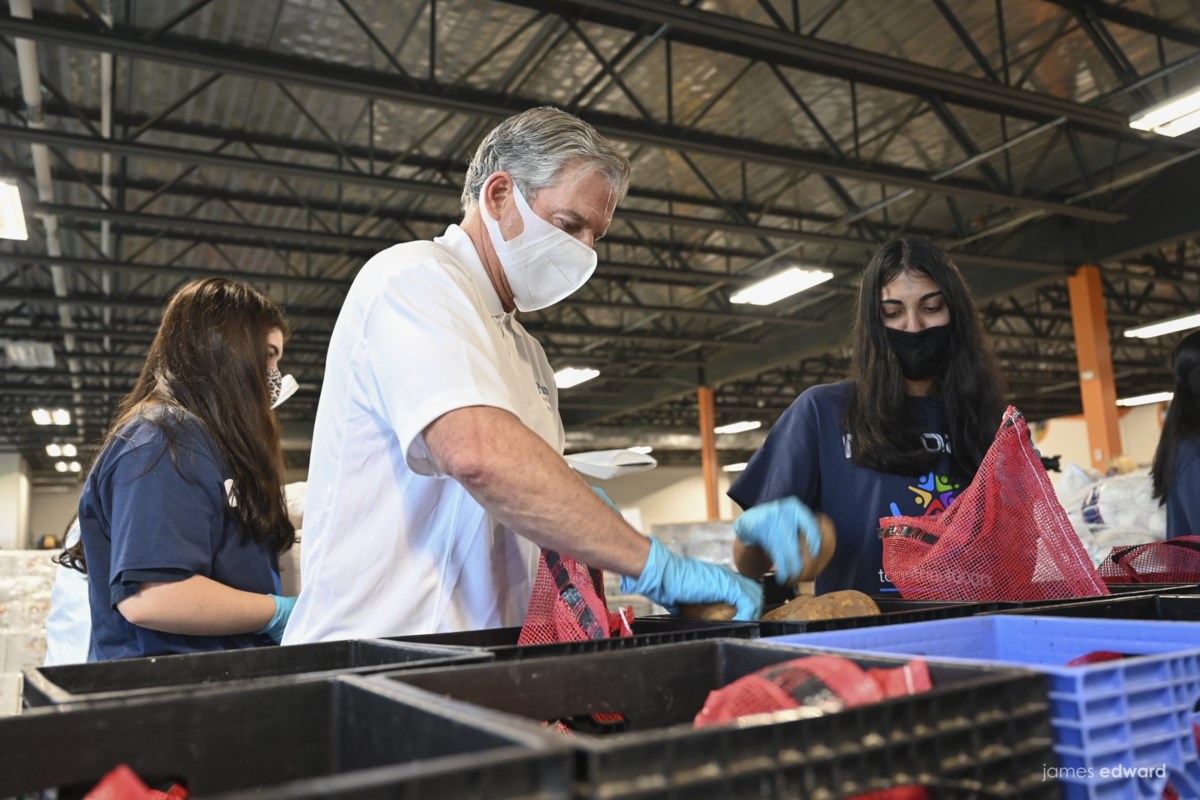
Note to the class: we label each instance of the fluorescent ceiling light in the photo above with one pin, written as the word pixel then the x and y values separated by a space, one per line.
pixel 76 466
pixel 737 427
pixel 69 450
pixel 61 466
pixel 1163 327
pixel 1172 117
pixel 61 416
pixel 780 285
pixel 53 450
pixel 1146 399
pixel 567 377
pixel 41 417
pixel 643 449
pixel 12 216
pixel 734 467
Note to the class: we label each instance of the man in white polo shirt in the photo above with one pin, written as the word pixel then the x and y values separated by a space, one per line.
pixel 436 467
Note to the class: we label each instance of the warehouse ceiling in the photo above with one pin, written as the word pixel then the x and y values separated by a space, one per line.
pixel 286 141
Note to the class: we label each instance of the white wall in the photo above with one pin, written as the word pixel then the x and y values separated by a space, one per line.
pixel 668 495
pixel 14 502
pixel 52 509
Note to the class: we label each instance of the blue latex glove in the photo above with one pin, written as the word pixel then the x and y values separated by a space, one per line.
pixel 669 579
pixel 606 499
pixel 774 527
pixel 279 620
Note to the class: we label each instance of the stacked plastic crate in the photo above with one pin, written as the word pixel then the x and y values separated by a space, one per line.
pixel 26 579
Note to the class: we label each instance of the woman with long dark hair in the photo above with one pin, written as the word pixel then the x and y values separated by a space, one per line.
pixel 183 514
pixel 903 436
pixel 1176 468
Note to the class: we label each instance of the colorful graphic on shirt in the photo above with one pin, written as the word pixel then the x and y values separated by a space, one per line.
pixel 933 494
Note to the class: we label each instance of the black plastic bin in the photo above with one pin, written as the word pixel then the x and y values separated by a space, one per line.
pixel 981 732
pixel 894 611
pixel 339 737
pixel 1162 607
pixel 77 683
pixel 502 642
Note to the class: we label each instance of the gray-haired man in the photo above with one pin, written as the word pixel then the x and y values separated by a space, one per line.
pixel 436 468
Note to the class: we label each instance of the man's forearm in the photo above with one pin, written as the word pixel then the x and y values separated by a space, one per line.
pixel 529 488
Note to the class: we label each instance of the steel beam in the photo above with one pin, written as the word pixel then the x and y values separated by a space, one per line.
pixel 343 79
pixel 727 34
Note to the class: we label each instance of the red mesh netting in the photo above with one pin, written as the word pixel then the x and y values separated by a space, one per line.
pixel 1173 561
pixel 1006 536
pixel 822 685
pixel 568 604
pixel 122 783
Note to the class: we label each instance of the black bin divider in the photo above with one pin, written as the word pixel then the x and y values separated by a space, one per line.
pixel 1161 607
pixel 980 732
pixel 77 683
pixel 647 631
pixel 894 611
pixel 360 738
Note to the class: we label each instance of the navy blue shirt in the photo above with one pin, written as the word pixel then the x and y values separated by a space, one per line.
pixel 1183 498
pixel 807 454
pixel 147 517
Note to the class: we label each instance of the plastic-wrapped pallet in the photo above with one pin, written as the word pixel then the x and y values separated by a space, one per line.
pixel 707 541
pixel 26 579
pixel 1116 511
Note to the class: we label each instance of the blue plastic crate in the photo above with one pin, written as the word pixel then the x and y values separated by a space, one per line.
pixel 1122 729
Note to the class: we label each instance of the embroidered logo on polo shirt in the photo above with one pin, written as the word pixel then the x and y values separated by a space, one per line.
pixel 545 393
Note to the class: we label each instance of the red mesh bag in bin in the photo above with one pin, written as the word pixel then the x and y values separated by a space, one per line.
pixel 1173 561
pixel 568 604
pixel 1006 536
pixel 818 685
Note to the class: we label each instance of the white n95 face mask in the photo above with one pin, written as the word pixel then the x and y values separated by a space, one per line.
pixel 280 387
pixel 544 264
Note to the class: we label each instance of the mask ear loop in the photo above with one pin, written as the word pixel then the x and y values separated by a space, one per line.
pixel 287 388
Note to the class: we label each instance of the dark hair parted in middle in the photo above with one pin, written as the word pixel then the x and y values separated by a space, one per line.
pixel 969 387
pixel 209 358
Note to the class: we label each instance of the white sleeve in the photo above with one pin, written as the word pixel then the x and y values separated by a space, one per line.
pixel 430 352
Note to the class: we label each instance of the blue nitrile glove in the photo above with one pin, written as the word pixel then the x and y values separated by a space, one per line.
pixel 279 620
pixel 774 527
pixel 606 499
pixel 669 579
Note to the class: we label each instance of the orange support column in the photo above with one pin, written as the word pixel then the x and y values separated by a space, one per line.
pixel 1094 354
pixel 708 448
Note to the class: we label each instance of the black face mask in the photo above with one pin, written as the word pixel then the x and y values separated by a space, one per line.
pixel 921 354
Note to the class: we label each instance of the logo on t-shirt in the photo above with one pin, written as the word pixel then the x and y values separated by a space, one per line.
pixel 545 393
pixel 933 494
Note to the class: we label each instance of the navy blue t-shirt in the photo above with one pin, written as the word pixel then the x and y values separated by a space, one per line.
pixel 146 517
pixel 1183 498
pixel 807 454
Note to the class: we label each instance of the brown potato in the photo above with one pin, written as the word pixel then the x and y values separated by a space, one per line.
pixel 790 610
pixel 835 605
pixel 815 566
pixel 712 612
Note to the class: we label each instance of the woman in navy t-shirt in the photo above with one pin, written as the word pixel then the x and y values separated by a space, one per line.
pixel 183 515
pixel 903 436
pixel 1176 468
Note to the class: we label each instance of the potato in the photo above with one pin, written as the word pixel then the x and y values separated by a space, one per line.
pixel 835 605
pixel 712 612
pixel 815 566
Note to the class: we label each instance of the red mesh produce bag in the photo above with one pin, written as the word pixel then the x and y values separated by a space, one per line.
pixel 1173 561
pixel 819 685
pixel 1006 536
pixel 122 783
pixel 568 605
